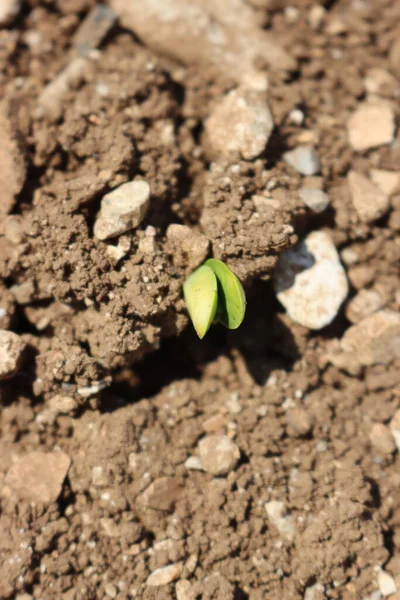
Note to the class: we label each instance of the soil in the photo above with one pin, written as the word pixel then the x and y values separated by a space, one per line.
pixel 114 337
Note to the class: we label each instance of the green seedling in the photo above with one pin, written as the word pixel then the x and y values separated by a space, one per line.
pixel 214 294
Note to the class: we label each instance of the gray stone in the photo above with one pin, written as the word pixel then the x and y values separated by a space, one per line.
pixel 304 160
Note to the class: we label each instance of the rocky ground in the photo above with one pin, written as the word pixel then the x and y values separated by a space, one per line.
pixel 137 139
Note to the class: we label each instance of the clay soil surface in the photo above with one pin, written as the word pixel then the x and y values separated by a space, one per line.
pixel 137 461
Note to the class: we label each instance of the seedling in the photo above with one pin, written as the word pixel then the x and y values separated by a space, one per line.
pixel 214 294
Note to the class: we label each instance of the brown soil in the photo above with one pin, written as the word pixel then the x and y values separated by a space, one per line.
pixel 303 426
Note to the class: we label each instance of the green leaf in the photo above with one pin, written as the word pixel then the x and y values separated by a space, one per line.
pixel 200 292
pixel 231 297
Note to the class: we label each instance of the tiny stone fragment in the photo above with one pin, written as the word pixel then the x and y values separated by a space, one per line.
pixel 11 351
pixel 316 200
pixel 276 512
pixel 310 282
pixel 62 404
pixel 299 422
pixel 382 439
pixel 9 10
pixel 122 209
pixel 164 575
pixel 370 126
pixel 94 28
pixel 395 428
pixel 182 589
pixel 241 124
pixel 386 583
pixel 193 463
pixel 387 181
pixel 39 476
pixel 368 199
pixel 162 494
pixel 375 339
pixel 304 160
pixel 364 303
pixel 218 454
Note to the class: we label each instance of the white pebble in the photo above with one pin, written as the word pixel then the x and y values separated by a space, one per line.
pixel 310 282
pixel 122 209
pixel 304 159
pixel 164 575
pixel 315 199
pixel 370 126
pixel 218 454
pixel 241 124
pixel 386 583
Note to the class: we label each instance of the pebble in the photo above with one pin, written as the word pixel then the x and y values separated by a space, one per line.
pixel 110 590
pixel 182 589
pixel 382 439
pixel 299 422
pixel 218 454
pixel 39 476
pixel 386 583
pixel 62 404
pixel 162 494
pixel 364 303
pixel 368 199
pixel 121 249
pixel 387 181
pixel 193 463
pixel 395 428
pixel 315 592
pixel 122 209
pixel 394 57
pixel 376 79
pixel 241 124
pixel 276 512
pixel 296 116
pixel 11 353
pixel 164 575
pixel 316 16
pixel 304 160
pixel 9 10
pixel 195 245
pixel 310 281
pixel 316 200
pixel 375 339
pixel 370 126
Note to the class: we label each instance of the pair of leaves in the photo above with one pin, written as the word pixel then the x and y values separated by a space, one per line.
pixel 213 292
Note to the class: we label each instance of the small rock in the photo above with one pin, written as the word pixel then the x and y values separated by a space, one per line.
pixel 316 200
pixel 62 404
pixel 276 512
pixel 315 592
pixel 9 10
pixel 116 253
pixel 349 256
pixel 386 583
pixel 395 428
pixel 100 477
pixel 110 528
pixel 299 422
pixel 370 126
pixel 39 476
pixel 387 181
pixel 122 209
pixel 23 292
pixel 193 463
pixel 233 405
pixel 382 439
pixel 164 575
pixel 377 79
pixel 11 351
pixel 191 248
pixel 296 116
pixel 218 454
pixel 361 276
pixel 316 16
pixel 369 200
pixel 375 339
pixel 182 589
pixel 241 124
pixel 304 160
pixel 310 282
pixel 110 590
pixel 364 303
pixel 162 494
